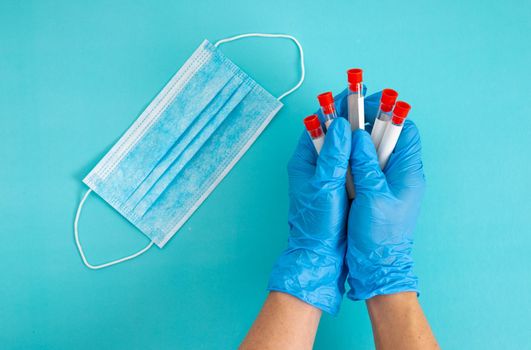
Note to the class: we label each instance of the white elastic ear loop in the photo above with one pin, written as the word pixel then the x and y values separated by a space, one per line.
pixel 76 235
pixel 263 35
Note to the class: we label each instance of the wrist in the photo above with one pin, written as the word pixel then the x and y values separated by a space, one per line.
pixel 399 323
pixel 400 298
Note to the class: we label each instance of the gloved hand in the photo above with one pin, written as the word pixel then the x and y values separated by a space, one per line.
pixel 312 267
pixel 382 217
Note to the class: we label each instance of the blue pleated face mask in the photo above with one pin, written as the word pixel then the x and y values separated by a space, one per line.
pixel 183 144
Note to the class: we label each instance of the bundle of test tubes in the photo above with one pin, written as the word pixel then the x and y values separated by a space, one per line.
pixel 386 128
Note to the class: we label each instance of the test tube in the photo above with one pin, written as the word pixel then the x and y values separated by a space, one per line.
pixel 383 117
pixel 326 101
pixel 392 132
pixel 313 126
pixel 356 112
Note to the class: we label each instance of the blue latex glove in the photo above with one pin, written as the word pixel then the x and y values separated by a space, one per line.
pixel 312 267
pixel 382 217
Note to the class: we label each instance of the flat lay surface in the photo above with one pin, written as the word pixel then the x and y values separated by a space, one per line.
pixel 75 75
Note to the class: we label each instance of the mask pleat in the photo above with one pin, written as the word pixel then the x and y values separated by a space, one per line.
pixel 182 111
pixel 202 136
pixel 173 157
pixel 217 154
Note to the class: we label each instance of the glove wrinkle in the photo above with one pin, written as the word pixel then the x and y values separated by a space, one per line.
pixel 383 215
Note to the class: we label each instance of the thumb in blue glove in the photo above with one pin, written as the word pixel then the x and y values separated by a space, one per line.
pixel 383 215
pixel 312 267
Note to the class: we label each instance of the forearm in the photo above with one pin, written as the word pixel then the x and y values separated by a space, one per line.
pixel 398 322
pixel 284 322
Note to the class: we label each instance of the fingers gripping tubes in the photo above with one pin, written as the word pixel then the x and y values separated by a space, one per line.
pixel 387 124
pixel 328 108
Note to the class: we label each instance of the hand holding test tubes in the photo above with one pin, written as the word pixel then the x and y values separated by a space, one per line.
pixel 326 100
pixel 387 124
pixel 367 240
pixel 380 219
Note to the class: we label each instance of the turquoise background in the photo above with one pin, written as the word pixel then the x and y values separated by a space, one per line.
pixel 75 75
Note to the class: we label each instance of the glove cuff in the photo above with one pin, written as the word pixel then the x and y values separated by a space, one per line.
pixel 315 279
pixel 382 282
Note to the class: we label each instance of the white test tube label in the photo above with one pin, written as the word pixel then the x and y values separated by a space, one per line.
pixel 378 131
pixel 361 112
pixel 318 143
pixel 388 143
pixel 356 111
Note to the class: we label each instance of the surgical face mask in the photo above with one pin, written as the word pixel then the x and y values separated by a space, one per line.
pixel 183 144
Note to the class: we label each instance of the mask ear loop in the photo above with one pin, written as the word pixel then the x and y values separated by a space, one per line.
pixel 80 249
pixel 264 35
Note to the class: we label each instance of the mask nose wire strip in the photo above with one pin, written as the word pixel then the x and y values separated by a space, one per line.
pixel 264 35
pixel 78 243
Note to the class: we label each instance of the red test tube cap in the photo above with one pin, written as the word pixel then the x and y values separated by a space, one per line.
pixel 389 97
pixel 400 112
pixel 313 125
pixel 325 99
pixel 355 76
